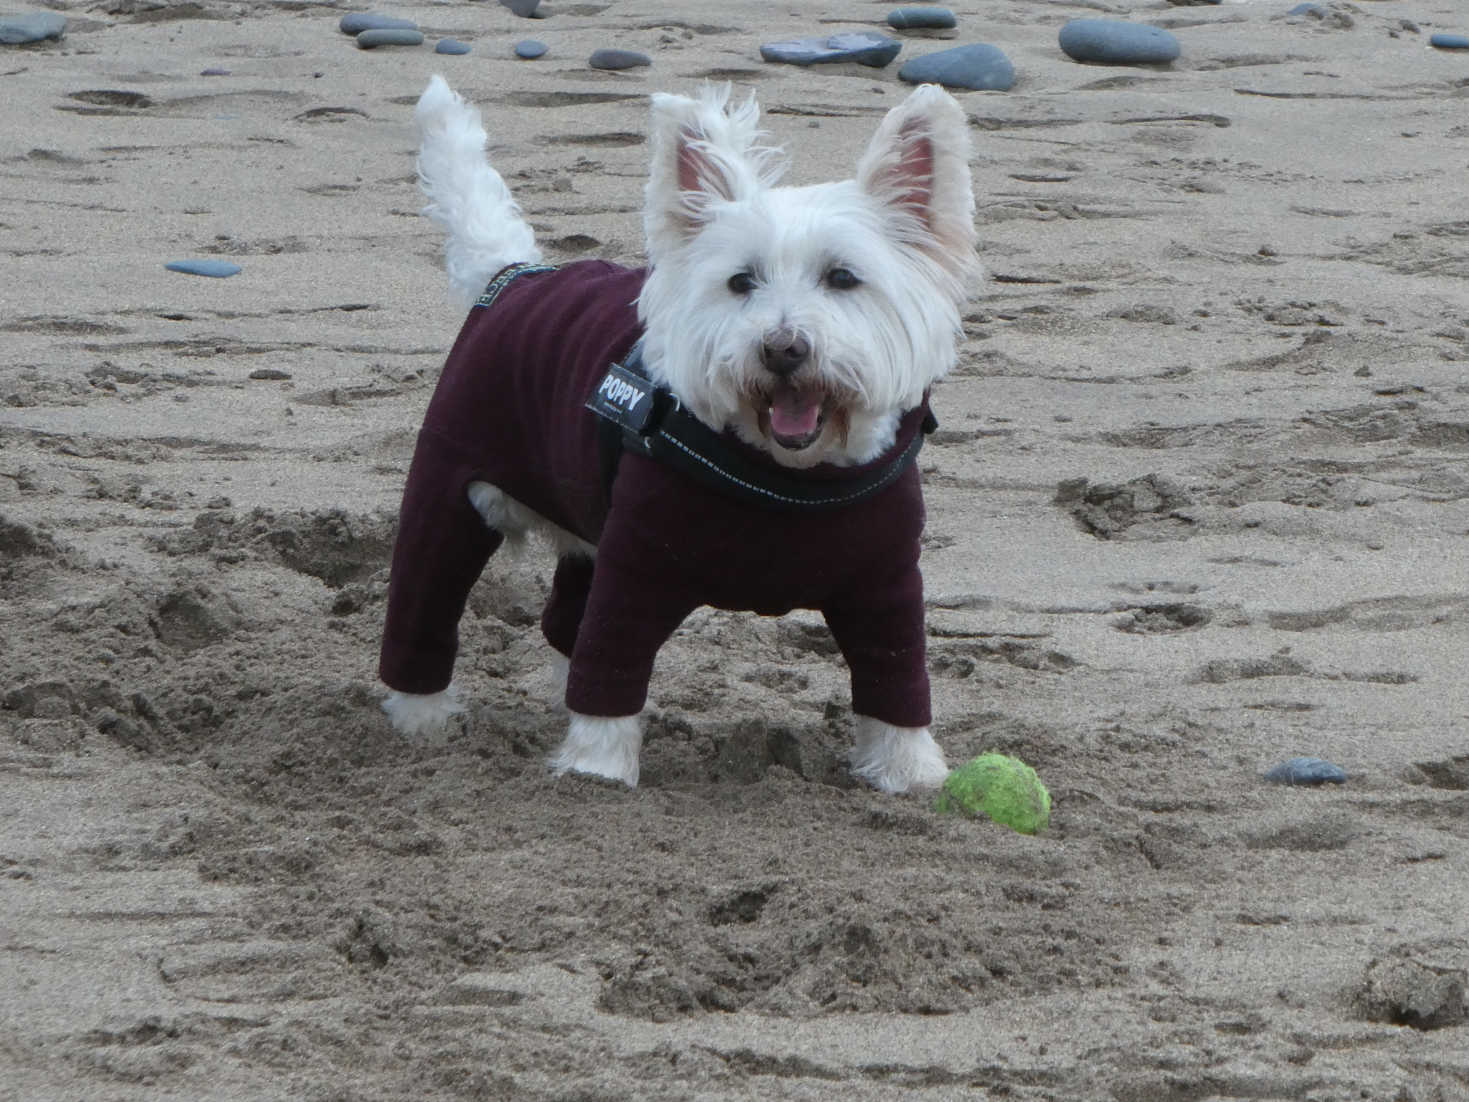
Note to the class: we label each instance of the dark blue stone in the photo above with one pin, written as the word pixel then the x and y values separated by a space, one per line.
pixel 451 46
pixel 1113 42
pixel 864 47
pixel 921 19
pixel 618 59
pixel 358 21
pixel 35 26
pixel 1306 9
pixel 389 36
pixel 530 48
pixel 1307 771
pixel 979 67
pixel 1449 41
pixel 526 9
pixel 215 269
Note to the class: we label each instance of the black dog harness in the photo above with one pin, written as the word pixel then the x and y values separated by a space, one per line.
pixel 641 417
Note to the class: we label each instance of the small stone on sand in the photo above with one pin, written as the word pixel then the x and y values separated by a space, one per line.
pixel 864 47
pixel 215 269
pixel 389 36
pixel 358 21
pixel 35 26
pixel 1114 42
pixel 977 67
pixel 618 59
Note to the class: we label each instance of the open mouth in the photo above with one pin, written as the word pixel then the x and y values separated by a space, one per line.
pixel 794 417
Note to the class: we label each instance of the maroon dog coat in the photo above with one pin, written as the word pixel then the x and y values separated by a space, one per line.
pixel 509 410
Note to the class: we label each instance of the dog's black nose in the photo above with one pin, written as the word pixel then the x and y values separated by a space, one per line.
pixel 783 353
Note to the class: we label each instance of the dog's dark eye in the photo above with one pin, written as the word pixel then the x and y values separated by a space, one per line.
pixel 741 283
pixel 842 279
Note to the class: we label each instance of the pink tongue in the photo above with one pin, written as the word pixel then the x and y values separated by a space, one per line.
pixel 795 413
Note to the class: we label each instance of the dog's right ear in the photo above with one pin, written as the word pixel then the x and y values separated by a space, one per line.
pixel 705 151
pixel 917 167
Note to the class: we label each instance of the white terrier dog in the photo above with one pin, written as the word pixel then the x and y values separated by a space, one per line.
pixel 734 426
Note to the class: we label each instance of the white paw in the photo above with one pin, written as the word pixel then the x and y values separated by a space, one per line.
pixel 605 746
pixel 416 714
pixel 895 759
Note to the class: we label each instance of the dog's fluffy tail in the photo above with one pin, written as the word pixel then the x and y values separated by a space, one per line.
pixel 466 196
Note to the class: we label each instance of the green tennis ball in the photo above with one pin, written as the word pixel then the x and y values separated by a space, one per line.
pixel 1001 787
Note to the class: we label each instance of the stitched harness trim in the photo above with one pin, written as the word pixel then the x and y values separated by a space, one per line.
pixel 895 469
pixel 637 416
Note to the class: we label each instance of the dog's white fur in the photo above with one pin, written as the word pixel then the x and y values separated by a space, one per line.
pixel 902 228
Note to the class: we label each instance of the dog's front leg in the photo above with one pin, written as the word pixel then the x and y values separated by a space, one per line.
pixel 605 746
pixel 895 759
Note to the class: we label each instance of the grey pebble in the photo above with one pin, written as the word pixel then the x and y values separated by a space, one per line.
pixel 618 59
pixel 451 46
pixel 864 47
pixel 526 9
pixel 358 21
pixel 215 269
pixel 35 26
pixel 921 19
pixel 978 67
pixel 1115 42
pixel 1307 771
pixel 530 48
pixel 389 36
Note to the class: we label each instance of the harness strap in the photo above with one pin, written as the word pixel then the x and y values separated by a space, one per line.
pixel 506 276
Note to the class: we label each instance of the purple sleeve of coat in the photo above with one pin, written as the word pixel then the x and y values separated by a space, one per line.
pixel 636 603
pixel 441 549
pixel 881 633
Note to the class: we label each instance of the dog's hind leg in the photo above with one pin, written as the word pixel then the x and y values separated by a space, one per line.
pixel 562 616
pixel 440 552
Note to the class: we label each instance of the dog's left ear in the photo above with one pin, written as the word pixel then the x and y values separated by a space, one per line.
pixel 917 166
pixel 704 151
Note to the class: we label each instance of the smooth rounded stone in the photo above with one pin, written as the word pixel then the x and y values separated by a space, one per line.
pixel 864 47
pixel 1449 41
pixel 1306 9
pixel 389 36
pixel 921 19
pixel 979 67
pixel 215 269
pixel 1113 42
pixel 530 48
pixel 451 46
pixel 33 26
pixel 1307 771
pixel 618 59
pixel 358 21
pixel 526 9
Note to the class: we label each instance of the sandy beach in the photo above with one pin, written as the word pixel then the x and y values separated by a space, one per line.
pixel 1199 503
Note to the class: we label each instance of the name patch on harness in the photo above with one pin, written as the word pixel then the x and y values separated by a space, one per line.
pixel 624 398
